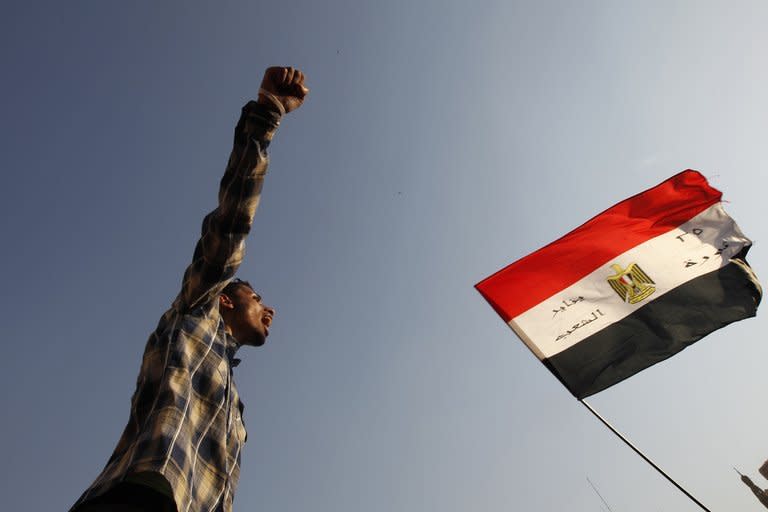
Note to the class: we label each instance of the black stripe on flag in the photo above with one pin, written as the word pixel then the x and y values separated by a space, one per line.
pixel 658 330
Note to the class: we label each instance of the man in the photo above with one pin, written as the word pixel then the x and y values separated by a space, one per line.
pixel 181 448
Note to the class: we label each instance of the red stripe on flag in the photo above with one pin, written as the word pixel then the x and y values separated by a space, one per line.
pixel 536 277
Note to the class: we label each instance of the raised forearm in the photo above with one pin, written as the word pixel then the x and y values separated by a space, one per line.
pixel 220 250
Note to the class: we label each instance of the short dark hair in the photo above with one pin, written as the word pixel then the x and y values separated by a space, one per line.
pixel 234 285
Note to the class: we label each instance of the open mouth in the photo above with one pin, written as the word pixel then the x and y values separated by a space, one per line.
pixel 266 321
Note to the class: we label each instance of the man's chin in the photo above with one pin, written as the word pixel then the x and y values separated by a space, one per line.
pixel 254 338
pixel 257 340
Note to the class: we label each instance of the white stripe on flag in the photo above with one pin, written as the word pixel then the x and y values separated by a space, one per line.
pixel 701 245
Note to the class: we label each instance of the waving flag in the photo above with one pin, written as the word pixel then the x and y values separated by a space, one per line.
pixel 631 287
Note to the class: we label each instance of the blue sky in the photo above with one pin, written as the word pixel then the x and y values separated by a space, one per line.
pixel 440 142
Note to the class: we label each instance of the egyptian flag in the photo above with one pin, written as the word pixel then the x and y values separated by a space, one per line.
pixel 631 287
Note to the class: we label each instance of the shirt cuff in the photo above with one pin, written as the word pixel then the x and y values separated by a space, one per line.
pixel 265 120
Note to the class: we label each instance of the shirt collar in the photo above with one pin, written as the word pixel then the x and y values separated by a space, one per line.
pixel 232 347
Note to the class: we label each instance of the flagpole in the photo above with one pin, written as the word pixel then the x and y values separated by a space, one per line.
pixel 599 495
pixel 641 454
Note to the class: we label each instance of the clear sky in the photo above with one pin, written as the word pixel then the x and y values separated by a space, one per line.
pixel 441 141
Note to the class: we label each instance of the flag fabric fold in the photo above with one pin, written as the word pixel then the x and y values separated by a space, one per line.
pixel 631 287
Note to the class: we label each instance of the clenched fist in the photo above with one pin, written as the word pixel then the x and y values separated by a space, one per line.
pixel 283 87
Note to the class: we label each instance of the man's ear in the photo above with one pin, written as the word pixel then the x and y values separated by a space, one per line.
pixel 226 302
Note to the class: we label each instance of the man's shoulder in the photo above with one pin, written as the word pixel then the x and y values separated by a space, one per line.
pixel 190 321
pixel 184 336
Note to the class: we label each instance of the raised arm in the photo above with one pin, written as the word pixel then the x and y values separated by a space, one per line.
pixel 220 250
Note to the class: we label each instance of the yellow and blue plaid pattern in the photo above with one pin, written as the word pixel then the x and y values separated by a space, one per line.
pixel 186 416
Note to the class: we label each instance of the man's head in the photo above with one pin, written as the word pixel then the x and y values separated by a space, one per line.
pixel 244 314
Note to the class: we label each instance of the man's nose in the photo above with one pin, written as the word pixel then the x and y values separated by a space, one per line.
pixel 270 310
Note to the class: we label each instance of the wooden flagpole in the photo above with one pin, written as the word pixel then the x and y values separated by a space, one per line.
pixel 641 454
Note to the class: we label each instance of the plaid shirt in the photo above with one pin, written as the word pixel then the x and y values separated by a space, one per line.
pixel 186 416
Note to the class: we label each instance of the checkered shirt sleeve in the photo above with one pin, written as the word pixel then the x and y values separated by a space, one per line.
pixel 220 249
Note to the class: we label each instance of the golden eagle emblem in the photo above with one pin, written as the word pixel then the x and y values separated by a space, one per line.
pixel 631 284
